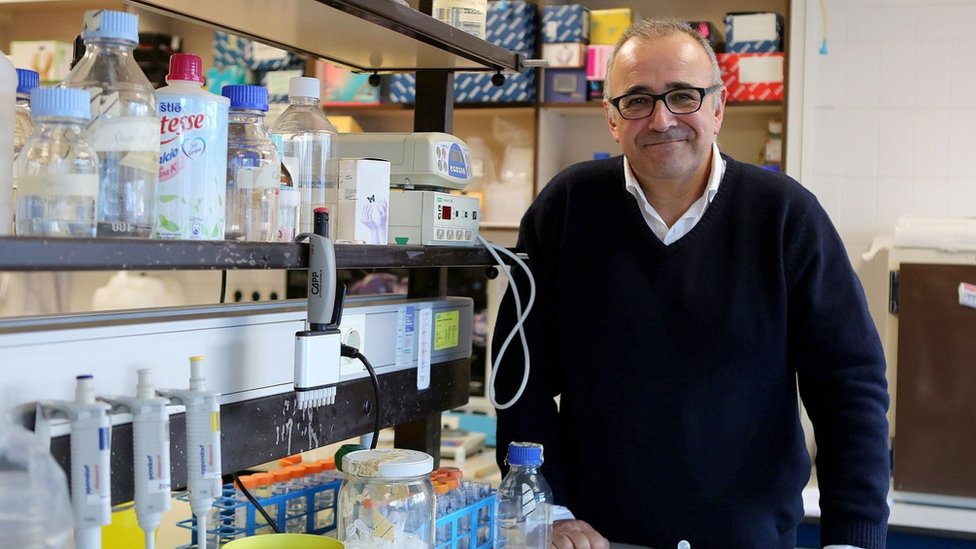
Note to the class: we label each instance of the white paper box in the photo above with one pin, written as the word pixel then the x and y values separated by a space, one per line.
pixel 364 200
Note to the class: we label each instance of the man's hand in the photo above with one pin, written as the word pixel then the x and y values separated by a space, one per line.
pixel 577 534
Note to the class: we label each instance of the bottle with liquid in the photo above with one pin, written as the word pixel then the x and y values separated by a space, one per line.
pixel 124 129
pixel 307 143
pixel 523 518
pixel 192 154
pixel 253 167
pixel 57 170
pixel 27 80
pixel 8 98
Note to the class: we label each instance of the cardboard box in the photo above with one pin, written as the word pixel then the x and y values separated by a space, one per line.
pixel 752 76
pixel 230 51
pixel 341 86
pixel 596 61
pixel 569 23
pixel 262 57
pixel 513 26
pixel 757 32
pixel 571 55
pixel 364 201
pixel 565 86
pixel 51 59
pixel 711 33
pixel 607 26
pixel 472 87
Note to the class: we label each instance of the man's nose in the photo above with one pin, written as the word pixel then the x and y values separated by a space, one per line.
pixel 661 118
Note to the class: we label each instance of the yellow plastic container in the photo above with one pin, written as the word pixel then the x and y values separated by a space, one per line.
pixel 285 541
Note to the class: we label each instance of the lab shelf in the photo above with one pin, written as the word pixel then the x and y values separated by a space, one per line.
pixel 367 35
pixel 93 254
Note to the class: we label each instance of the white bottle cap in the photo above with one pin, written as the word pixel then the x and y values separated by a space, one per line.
pixel 144 388
pixel 303 86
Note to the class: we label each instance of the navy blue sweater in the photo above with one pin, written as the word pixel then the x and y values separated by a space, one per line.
pixel 677 366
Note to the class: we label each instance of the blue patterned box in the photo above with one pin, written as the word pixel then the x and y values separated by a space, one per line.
pixel 756 32
pixel 569 23
pixel 512 25
pixel 472 87
pixel 565 86
pixel 230 51
pixel 269 58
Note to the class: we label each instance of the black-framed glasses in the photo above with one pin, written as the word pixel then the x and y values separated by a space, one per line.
pixel 634 106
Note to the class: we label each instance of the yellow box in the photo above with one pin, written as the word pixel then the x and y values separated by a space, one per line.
pixel 607 26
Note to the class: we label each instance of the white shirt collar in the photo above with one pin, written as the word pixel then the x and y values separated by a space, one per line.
pixel 690 218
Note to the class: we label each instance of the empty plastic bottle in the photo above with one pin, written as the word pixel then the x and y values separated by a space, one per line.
pixel 27 80
pixel 524 515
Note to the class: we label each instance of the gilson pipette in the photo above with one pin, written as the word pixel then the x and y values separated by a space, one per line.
pixel 91 434
pixel 150 452
pixel 202 444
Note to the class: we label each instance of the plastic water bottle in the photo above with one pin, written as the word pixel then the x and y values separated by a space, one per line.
pixel 8 97
pixel 524 514
pixel 192 154
pixel 253 167
pixel 57 170
pixel 27 80
pixel 307 143
pixel 35 512
pixel 124 128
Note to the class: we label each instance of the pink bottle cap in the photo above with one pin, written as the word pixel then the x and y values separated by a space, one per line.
pixel 185 66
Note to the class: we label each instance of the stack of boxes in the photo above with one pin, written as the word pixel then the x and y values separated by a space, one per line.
pixel 752 67
pixel 565 36
pixel 511 25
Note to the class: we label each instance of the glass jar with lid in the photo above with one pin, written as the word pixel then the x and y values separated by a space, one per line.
pixel 386 500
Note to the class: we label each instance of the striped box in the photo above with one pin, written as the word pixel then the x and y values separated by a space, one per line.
pixel 512 25
pixel 570 23
pixel 471 87
pixel 752 76
pixel 760 32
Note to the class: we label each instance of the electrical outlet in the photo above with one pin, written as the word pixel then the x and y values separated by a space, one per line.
pixel 352 332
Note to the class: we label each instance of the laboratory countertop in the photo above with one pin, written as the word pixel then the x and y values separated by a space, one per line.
pixel 910 517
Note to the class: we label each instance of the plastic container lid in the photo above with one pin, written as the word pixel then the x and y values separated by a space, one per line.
pixel 263 479
pixel 281 475
pixel 297 471
pixel 315 467
pixel 387 463
pixel 304 86
pixel 524 453
pixel 441 488
pixel 65 102
pixel 249 481
pixel 328 464
pixel 246 96
pixel 111 24
pixel 185 66
pixel 27 80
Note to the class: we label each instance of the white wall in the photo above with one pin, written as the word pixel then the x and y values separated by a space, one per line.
pixel 891 113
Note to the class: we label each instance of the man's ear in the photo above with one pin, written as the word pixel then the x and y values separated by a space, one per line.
pixel 611 114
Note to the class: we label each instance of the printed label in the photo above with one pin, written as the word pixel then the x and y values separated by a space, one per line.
pixel 446 328
pixel 405 336
pixel 123 134
pixel 55 185
pixel 423 348
pixel 192 168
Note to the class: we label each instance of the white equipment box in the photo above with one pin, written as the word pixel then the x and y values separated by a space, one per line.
pixel 429 160
pixel 432 218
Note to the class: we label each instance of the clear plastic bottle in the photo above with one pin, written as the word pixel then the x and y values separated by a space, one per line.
pixel 192 154
pixel 124 128
pixel 27 80
pixel 35 512
pixel 523 518
pixel 253 167
pixel 307 143
pixel 57 170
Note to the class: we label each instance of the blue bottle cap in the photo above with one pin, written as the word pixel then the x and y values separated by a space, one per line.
pixel 111 24
pixel 62 102
pixel 27 80
pixel 524 453
pixel 601 155
pixel 245 96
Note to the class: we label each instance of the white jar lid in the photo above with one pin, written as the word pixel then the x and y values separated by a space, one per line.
pixel 387 463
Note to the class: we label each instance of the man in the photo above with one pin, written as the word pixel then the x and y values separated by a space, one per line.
pixel 683 299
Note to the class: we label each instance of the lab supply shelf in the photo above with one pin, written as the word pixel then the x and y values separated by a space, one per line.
pixel 367 35
pixel 93 254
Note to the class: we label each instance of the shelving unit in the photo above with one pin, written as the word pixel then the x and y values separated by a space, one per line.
pixel 369 35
